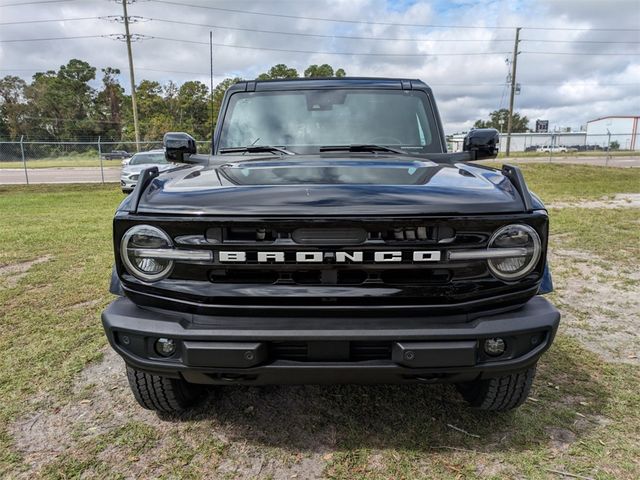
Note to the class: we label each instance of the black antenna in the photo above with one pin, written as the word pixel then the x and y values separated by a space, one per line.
pixel 211 83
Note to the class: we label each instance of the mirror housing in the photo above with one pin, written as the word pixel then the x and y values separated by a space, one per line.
pixel 178 146
pixel 482 143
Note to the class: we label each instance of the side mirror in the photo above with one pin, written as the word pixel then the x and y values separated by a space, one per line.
pixel 178 146
pixel 482 141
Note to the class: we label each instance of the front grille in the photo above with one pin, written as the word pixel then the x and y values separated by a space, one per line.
pixel 366 237
pixel 328 284
pixel 341 351
pixel 377 233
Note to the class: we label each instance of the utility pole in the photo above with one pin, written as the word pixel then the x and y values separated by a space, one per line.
pixel 132 76
pixel 513 89
pixel 211 83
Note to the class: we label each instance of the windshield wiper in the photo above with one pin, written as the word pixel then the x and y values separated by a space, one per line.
pixel 360 148
pixel 257 149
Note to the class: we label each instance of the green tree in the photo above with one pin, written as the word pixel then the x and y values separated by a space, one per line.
pixel 12 106
pixel 193 104
pixel 153 111
pixel 498 119
pixel 319 71
pixel 279 71
pixel 109 105
pixel 323 71
pixel 615 145
pixel 60 105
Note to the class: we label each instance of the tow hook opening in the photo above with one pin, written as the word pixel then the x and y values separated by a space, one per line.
pixel 232 377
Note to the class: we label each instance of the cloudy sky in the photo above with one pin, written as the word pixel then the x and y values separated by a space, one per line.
pixel 580 59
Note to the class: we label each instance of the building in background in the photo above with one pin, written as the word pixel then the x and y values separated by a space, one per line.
pixel 530 141
pixel 620 129
pixel 622 132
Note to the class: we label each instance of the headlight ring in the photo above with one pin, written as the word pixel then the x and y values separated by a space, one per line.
pixel 515 236
pixel 146 268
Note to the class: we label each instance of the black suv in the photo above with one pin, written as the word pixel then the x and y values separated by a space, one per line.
pixel 330 238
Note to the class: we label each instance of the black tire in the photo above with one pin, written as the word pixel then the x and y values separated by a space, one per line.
pixel 499 394
pixel 162 394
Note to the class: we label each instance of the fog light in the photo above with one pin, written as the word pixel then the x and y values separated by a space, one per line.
pixel 494 346
pixel 165 347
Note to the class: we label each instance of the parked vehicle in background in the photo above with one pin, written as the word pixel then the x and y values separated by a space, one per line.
pixel 531 148
pixel 115 155
pixel 552 149
pixel 137 163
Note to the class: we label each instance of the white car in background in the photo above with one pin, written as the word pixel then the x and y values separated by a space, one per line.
pixel 554 149
pixel 138 162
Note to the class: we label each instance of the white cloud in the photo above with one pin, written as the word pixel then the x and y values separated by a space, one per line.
pixel 566 89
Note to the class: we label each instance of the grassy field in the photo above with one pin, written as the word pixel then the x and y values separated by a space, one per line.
pixel 88 159
pixel 66 412
pixel 593 153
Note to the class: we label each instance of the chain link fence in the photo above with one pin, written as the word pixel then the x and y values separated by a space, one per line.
pixel 28 161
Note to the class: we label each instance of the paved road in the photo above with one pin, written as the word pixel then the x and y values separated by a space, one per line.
pixel 59 175
pixel 112 174
pixel 598 161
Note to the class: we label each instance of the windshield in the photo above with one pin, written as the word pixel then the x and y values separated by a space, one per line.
pixel 148 158
pixel 305 120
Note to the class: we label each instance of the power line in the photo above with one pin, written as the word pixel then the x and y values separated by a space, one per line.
pixel 582 53
pixel 317 35
pixel 50 20
pixel 118 36
pixel 33 3
pixel 372 54
pixel 16 40
pixel 379 54
pixel 394 39
pixel 365 22
pixel 577 41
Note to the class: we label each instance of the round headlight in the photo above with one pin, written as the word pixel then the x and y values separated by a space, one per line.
pixel 140 239
pixel 521 238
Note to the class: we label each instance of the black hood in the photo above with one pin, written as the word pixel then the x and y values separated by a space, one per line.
pixel 310 185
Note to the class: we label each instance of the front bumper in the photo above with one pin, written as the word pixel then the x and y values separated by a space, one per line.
pixel 267 350
pixel 127 184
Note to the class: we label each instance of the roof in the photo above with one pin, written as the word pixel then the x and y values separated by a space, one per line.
pixel 613 116
pixel 332 82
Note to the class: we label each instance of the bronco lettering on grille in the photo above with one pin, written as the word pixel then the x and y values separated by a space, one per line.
pixel 385 256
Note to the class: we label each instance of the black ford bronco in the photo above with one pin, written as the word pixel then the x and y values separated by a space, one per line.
pixel 330 238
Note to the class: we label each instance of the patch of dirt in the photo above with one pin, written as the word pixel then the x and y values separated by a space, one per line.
pixel 561 438
pixel 599 302
pixel 87 304
pixel 107 405
pixel 621 200
pixel 102 403
pixel 11 274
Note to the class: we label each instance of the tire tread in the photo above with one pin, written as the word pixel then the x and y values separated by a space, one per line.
pixel 162 394
pixel 499 393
